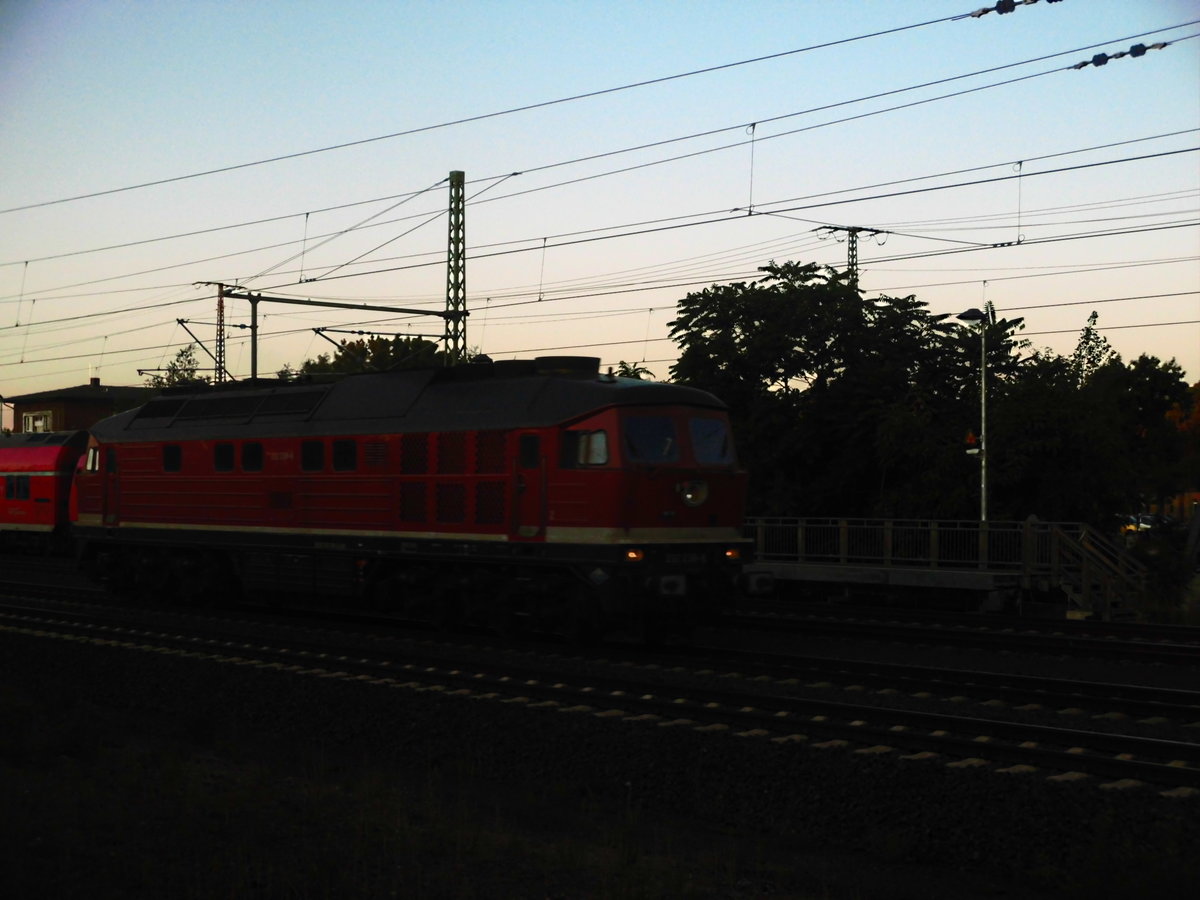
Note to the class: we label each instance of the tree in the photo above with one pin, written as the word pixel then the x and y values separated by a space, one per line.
pixel 375 354
pixel 1092 352
pixel 843 405
pixel 182 370
pixel 633 370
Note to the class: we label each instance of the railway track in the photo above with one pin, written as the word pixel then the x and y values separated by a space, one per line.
pixel 771 698
pixel 1159 644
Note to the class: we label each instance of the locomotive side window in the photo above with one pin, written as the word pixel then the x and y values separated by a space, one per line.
pixel 529 451
pixel 710 442
pixel 651 439
pixel 93 459
pixel 110 459
pixel 345 456
pixel 172 458
pixel 584 448
pixel 252 456
pixel 223 458
pixel 312 456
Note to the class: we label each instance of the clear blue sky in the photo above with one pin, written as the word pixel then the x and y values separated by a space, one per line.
pixel 96 97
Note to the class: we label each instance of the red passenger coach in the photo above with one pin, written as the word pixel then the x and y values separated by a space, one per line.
pixel 524 492
pixel 37 469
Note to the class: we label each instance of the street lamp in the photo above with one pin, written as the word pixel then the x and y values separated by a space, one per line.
pixel 978 315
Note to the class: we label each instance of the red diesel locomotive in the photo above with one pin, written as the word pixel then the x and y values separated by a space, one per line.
pixel 521 493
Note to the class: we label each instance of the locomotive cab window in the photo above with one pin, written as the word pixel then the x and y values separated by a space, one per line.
pixel 93 459
pixel 711 442
pixel 345 456
pixel 651 439
pixel 312 456
pixel 172 458
pixel 584 448
pixel 223 458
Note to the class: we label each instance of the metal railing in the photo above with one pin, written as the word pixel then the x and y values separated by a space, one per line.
pixel 1094 573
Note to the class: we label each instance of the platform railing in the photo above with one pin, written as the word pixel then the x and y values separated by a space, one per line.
pixel 1095 574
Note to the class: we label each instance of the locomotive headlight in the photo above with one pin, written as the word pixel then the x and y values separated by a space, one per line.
pixel 635 555
pixel 733 554
pixel 693 493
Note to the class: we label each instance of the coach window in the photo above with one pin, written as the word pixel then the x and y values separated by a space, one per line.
pixel 172 458
pixel 16 487
pixel 312 456
pixel 223 457
pixel 345 456
pixel 252 456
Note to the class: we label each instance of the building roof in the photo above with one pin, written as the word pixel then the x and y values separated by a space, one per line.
pixel 91 392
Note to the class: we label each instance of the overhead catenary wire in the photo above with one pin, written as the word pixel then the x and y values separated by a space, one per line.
pixel 39 325
pixel 45 293
pixel 484 116
pixel 529 170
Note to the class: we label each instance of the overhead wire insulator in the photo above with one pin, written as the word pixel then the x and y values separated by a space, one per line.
pixel 1004 6
pixel 1102 59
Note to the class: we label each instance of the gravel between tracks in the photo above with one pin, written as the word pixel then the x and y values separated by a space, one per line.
pixel 917 827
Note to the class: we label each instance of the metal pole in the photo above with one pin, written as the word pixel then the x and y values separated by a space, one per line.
pixel 253 338
pixel 219 359
pixel 982 317
pixel 456 273
pixel 983 440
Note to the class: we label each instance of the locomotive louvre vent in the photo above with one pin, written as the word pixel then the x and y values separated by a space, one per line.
pixel 375 453
pixel 228 407
pixel 290 403
pixel 161 408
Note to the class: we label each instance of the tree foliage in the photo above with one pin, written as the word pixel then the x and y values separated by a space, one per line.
pixel 375 354
pixel 633 370
pixel 851 406
pixel 182 370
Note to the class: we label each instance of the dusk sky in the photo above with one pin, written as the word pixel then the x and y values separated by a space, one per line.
pixel 618 155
